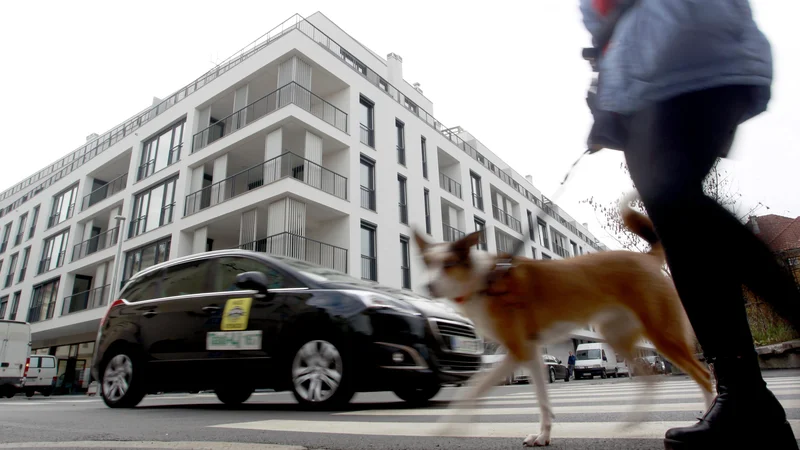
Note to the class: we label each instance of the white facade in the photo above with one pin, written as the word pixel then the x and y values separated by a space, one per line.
pixel 274 150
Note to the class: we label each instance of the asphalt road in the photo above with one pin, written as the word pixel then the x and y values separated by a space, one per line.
pixel 586 412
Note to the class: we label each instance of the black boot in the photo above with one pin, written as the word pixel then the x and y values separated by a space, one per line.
pixel 744 412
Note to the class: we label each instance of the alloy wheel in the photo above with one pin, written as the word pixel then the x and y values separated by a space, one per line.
pixel 317 371
pixel 117 377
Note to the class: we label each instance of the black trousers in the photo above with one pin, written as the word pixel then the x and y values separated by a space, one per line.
pixel 671 148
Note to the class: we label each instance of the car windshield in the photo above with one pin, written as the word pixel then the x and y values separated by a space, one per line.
pixel 588 354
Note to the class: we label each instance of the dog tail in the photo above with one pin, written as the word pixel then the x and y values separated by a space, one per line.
pixel 640 224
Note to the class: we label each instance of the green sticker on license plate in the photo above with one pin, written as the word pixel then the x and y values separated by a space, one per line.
pixel 233 340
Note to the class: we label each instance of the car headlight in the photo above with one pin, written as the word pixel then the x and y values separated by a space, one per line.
pixel 374 300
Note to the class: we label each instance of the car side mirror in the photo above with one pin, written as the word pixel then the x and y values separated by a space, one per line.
pixel 559 361
pixel 252 281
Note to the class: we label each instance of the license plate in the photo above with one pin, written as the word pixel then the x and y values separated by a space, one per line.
pixel 466 345
pixel 233 340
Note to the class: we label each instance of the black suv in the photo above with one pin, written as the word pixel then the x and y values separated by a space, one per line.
pixel 235 321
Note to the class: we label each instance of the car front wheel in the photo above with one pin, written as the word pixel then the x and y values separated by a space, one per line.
pixel 419 395
pixel 319 374
pixel 122 384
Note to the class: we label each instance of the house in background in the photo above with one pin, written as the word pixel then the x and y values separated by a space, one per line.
pixel 782 235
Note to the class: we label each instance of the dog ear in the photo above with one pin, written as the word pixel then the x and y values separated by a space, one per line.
pixel 420 240
pixel 468 241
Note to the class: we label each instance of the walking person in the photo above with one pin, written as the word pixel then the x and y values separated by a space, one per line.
pixel 571 365
pixel 676 79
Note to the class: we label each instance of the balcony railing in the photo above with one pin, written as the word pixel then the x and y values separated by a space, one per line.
pixel 302 248
pixel 44 264
pixel 401 155
pixel 38 313
pixel 96 243
pixel 450 185
pixel 367 136
pixel 369 268
pixel 139 225
pixel 405 273
pixel 403 212
pixel 82 301
pixel 451 234
pixel 291 93
pixel 3 246
pixel 18 238
pixel 560 250
pixel 507 219
pixel 287 165
pixel 56 219
pixel 368 198
pixel 477 201
pixel 103 192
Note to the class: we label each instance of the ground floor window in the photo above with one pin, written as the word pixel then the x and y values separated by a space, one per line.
pixel 74 366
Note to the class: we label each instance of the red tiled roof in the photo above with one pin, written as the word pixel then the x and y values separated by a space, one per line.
pixel 779 232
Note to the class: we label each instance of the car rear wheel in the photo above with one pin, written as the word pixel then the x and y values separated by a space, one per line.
pixel 234 395
pixel 122 380
pixel 552 376
pixel 419 395
pixel 319 374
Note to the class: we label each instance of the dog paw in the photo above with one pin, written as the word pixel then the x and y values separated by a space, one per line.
pixel 534 440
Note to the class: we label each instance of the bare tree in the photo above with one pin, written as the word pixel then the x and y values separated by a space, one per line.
pixel 717 185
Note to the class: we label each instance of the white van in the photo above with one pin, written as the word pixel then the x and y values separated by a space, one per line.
pixel 622 366
pixel 41 372
pixel 15 346
pixel 595 359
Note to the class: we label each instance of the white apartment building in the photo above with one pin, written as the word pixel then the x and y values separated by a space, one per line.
pixel 305 144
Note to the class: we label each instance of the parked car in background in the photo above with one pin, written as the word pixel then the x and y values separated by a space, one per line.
pixel 41 373
pixel 234 321
pixel 555 369
pixel 15 346
pixel 622 366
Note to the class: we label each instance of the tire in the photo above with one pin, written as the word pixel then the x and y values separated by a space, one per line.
pixel 47 392
pixel 314 368
pixel 234 395
pixel 603 374
pixel 29 393
pixel 552 376
pixel 122 379
pixel 418 396
pixel 566 377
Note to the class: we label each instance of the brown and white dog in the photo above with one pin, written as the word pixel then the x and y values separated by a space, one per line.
pixel 624 294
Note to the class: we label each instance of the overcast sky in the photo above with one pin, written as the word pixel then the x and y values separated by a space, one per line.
pixel 509 72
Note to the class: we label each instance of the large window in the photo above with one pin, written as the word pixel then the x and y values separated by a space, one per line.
pixel 559 243
pixel 54 252
pixel 26 253
pixel 3 306
pixel 153 208
pixel 543 237
pixel 369 253
pixel 21 229
pixel 63 206
pixel 401 142
pixel 427 198
pixel 12 267
pixel 367 121
pixel 227 269
pixel 6 237
pixel 33 222
pixel 480 225
pixel 367 183
pixel 424 147
pixel 403 199
pixel 161 151
pixel 12 314
pixel 477 195
pixel 405 262
pixel 145 256
pixel 43 301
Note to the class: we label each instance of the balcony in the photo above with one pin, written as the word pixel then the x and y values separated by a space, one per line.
pixel 450 185
pixel 291 93
pixel 451 234
pixel 94 244
pixel 86 300
pixel 560 250
pixel 44 311
pixel 287 165
pixel 302 248
pixel 507 219
pixel 103 192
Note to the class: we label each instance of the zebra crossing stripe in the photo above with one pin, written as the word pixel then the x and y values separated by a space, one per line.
pixel 652 393
pixel 561 430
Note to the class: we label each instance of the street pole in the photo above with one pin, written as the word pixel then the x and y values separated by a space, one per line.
pixel 111 294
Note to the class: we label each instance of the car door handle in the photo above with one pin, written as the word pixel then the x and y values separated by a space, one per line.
pixel 211 308
pixel 149 313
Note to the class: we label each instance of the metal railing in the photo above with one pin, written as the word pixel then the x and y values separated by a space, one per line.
pixel 403 212
pixel 302 248
pixel 44 264
pixel 96 243
pixel 9 279
pixel 507 219
pixel 82 301
pixel 367 136
pixel 405 273
pixel 55 218
pixel 38 313
pixel 401 155
pixel 103 192
pixel 3 246
pixel 18 238
pixel 477 201
pixel 451 234
pixel 560 250
pixel 90 150
pixel 287 165
pixel 368 198
pixel 450 185
pixel 369 268
pixel 289 94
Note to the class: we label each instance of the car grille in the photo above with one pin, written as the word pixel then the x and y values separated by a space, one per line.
pixel 454 363
pixel 454 329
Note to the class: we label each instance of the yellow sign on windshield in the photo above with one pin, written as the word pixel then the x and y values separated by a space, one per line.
pixel 236 314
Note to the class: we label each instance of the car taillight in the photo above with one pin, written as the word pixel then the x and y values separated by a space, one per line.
pixel 110 307
pixel 27 366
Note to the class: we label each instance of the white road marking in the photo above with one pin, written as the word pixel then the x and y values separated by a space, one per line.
pixel 188 445
pixel 561 430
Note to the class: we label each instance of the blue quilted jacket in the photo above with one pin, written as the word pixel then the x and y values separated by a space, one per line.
pixel 664 48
